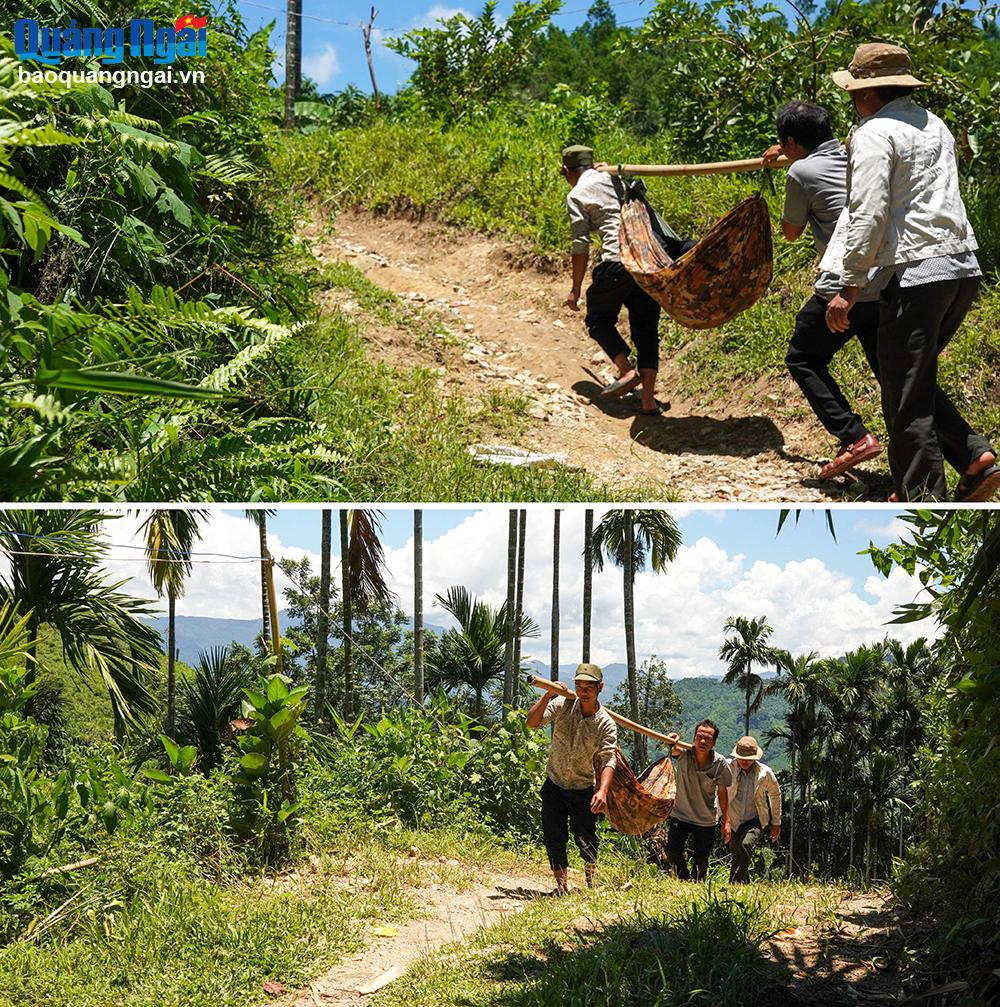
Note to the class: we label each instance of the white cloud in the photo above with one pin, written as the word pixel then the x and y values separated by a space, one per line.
pixel 679 614
pixel 218 586
pixel 439 12
pixel 321 66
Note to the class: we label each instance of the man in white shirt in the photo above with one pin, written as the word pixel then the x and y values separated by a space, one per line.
pixel 594 204
pixel 906 215
pixel 754 806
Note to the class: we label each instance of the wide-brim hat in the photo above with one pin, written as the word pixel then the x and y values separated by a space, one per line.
pixel 877 64
pixel 588 673
pixel 747 748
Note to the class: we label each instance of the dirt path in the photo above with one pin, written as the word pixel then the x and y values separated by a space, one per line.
pixel 507 328
pixel 848 955
pixel 448 913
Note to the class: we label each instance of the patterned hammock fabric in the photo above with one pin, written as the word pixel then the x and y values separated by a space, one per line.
pixel 725 273
pixel 638 803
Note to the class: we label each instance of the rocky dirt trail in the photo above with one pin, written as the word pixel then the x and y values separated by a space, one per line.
pixel 506 327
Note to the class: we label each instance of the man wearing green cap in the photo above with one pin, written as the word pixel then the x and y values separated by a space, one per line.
pixel 594 204
pixel 906 226
pixel 583 738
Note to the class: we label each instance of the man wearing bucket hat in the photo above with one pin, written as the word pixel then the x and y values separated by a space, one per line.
pixel 754 806
pixel 907 227
pixel 594 204
pixel 583 737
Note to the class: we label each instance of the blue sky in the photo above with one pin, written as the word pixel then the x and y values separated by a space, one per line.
pixel 819 595
pixel 333 52
pixel 748 531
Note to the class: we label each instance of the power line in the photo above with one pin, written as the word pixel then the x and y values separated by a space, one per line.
pixel 74 540
pixel 398 31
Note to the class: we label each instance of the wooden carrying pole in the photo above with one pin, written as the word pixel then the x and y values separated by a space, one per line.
pixel 672 739
pixel 711 168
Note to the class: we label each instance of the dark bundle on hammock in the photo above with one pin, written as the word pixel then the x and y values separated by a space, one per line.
pixel 637 804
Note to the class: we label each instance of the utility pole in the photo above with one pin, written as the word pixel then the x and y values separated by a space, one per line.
pixel 293 59
pixel 366 30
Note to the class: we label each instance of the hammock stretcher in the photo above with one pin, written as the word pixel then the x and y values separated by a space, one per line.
pixel 636 804
pixel 725 273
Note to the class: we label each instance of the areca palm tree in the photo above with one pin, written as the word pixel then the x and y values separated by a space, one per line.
pixel 323 616
pixel 170 536
pixel 54 579
pixel 588 580
pixel 363 576
pixel 418 606
pixel 797 681
pixel 258 516
pixel 554 625
pixel 509 609
pixel 477 652
pixel 748 647
pixel 212 700
pixel 627 538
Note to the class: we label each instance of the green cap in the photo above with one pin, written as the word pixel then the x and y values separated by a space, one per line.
pixel 578 157
pixel 588 673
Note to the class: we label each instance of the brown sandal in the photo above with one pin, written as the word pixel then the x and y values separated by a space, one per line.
pixel 851 455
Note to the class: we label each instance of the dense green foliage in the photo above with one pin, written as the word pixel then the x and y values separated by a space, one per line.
pixel 147 307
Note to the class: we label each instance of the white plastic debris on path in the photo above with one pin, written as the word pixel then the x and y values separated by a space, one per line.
pixel 503 454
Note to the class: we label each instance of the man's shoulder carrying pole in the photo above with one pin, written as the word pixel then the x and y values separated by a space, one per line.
pixel 673 739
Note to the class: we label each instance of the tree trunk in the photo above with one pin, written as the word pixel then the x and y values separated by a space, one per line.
pixel 323 619
pixel 746 719
pixel 588 581
pixel 554 627
pixel 418 606
pixel 348 626
pixel 629 588
pixel 508 654
pixel 367 32
pixel 265 608
pixel 293 59
pixel 171 664
pixel 791 818
pixel 519 606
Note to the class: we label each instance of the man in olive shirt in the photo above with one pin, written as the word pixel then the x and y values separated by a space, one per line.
pixel 582 734
pixel 702 774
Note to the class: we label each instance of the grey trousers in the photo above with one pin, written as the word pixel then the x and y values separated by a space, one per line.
pixel 741 846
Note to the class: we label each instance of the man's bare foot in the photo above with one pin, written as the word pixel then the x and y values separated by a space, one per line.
pixel 984 461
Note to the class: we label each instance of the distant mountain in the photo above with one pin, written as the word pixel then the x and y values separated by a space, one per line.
pixel 197 633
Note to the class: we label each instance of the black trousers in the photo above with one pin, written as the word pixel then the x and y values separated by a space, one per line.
pixel 611 289
pixel 563 810
pixel 810 352
pixel 924 426
pixel 741 846
pixel 702 839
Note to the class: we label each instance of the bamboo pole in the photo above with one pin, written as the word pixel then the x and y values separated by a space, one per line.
pixel 709 168
pixel 67 868
pixel 673 739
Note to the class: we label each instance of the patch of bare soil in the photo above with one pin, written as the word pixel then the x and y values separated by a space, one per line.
pixel 850 956
pixel 448 913
pixel 507 328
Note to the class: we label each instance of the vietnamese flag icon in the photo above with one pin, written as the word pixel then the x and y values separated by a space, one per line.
pixel 190 21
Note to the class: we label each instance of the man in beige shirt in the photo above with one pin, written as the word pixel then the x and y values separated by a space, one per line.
pixel 572 797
